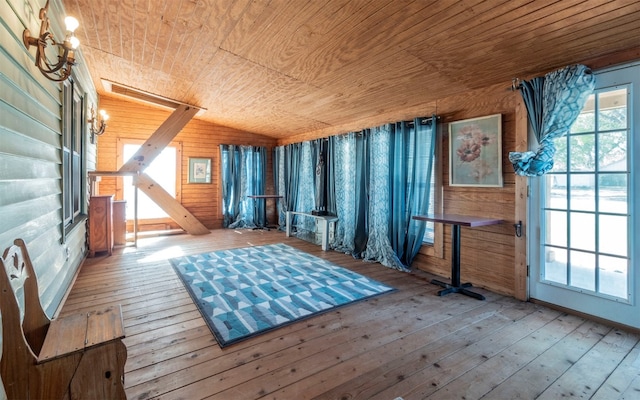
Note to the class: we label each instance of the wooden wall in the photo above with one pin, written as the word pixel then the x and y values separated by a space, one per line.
pixel 31 153
pixel 491 257
pixel 488 256
pixel 134 120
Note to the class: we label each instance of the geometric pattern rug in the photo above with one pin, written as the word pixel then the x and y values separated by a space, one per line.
pixel 247 291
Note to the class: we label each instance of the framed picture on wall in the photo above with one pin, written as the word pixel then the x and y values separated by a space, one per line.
pixel 475 152
pixel 199 170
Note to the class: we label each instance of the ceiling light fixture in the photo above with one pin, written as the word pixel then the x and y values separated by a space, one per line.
pixel 93 123
pixel 61 69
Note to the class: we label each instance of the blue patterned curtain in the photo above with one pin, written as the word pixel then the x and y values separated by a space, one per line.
pixel 293 157
pixel 305 198
pixel 380 206
pixel 243 174
pixel 343 164
pixel 553 104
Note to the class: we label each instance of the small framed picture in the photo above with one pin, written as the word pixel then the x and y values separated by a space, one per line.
pixel 475 152
pixel 199 170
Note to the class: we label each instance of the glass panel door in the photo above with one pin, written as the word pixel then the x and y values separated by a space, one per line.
pixel 583 209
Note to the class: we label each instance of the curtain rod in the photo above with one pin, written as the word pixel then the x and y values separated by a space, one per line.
pixel 427 119
pixel 423 120
pixel 516 84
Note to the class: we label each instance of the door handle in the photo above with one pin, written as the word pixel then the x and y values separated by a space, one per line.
pixel 518 228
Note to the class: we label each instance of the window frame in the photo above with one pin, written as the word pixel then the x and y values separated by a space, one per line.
pixel 72 149
pixel 121 142
pixel 436 249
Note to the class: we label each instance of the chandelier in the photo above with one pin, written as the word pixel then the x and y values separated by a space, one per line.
pixel 56 65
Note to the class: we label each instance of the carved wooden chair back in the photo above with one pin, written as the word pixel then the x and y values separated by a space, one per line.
pixel 78 356
pixel 23 328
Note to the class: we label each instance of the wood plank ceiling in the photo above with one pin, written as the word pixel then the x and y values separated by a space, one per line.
pixel 288 67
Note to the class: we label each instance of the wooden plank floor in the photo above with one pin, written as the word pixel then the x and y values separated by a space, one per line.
pixel 410 343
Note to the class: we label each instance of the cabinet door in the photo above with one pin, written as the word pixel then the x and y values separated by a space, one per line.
pixel 119 223
pixel 100 225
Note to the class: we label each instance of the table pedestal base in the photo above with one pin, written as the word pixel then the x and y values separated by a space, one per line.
pixel 456 221
pixel 462 289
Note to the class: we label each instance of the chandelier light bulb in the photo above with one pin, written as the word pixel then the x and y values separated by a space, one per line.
pixel 71 24
pixel 75 42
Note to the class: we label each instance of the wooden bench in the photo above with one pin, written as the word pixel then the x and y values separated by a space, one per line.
pixel 80 356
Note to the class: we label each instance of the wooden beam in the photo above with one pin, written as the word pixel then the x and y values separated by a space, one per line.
pixel 95 174
pixel 153 146
pixel 150 149
pixel 171 206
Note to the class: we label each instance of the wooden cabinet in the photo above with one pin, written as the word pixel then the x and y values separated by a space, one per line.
pixel 100 224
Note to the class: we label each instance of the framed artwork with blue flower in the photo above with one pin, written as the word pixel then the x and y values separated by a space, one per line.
pixel 475 152
pixel 199 170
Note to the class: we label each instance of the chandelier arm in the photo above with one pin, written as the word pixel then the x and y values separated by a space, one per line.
pixel 60 70
pixel 100 131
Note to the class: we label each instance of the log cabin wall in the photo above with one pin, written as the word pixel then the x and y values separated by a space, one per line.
pixel 31 175
pixel 134 120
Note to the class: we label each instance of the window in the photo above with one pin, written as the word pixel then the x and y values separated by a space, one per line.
pixel 72 151
pixel 429 233
pixel 587 201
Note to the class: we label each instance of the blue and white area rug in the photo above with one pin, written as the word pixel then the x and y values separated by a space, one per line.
pixel 247 291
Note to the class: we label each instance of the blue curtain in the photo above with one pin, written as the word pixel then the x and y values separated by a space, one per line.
pixel 400 185
pixel 295 180
pixel 257 164
pixel 243 174
pixel 380 206
pixel 342 159
pixel 553 104
pixel 413 151
pixel 377 180
pixel 292 173
pixel 320 182
pixel 293 156
pixel 361 172
pixel 305 198
pixel 230 174
pixel 279 176
pixel 331 183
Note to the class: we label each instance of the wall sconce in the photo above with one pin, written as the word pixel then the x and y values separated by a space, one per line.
pixel 97 127
pixel 61 69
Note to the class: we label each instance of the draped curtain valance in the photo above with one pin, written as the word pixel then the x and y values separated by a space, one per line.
pixel 553 104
